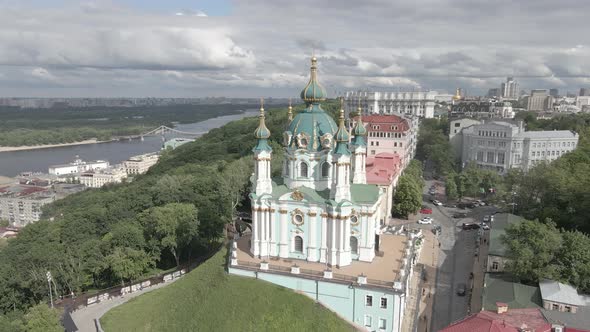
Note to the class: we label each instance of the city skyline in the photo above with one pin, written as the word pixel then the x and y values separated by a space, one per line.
pixel 178 49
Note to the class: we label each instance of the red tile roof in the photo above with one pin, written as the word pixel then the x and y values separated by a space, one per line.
pixel 383 168
pixel 386 122
pixel 511 321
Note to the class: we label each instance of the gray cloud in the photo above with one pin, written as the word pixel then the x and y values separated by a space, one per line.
pixel 263 48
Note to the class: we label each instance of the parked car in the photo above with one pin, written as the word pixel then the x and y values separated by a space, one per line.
pixel 425 221
pixel 461 289
pixel 460 215
pixel 469 226
pixel 491 218
pixel 426 210
pixel 485 226
pixel 486 218
pixel 432 192
pixel 435 202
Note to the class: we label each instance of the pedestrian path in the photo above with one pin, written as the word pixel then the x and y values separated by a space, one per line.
pixel 84 318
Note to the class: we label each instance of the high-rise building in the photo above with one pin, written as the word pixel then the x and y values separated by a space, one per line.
pixel 510 88
pixel 539 101
pixel 554 93
pixel 584 92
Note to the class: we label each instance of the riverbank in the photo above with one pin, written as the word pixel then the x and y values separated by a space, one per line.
pixel 46 146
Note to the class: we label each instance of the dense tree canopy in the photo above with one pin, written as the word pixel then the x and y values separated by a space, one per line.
pixel 119 233
pixel 434 147
pixel 539 250
pixel 408 193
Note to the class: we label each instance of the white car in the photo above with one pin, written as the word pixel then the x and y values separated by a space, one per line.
pixel 437 203
pixel 485 226
pixel 425 221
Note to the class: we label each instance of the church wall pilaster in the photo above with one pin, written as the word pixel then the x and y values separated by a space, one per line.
pixel 284 225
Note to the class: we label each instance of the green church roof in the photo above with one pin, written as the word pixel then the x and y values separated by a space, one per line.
pixel 360 193
pixel 342 136
pixel 313 123
pixel 313 91
pixel 262 133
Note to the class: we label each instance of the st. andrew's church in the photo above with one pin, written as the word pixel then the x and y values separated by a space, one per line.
pixel 321 209
pixel 319 228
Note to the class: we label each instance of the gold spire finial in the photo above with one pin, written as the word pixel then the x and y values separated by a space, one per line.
pixel 290 112
pixel 262 131
pixel 457 95
pixel 314 68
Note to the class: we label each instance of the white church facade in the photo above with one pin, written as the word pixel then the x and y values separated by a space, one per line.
pixel 318 227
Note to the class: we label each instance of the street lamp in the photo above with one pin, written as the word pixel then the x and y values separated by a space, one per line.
pixel 49 279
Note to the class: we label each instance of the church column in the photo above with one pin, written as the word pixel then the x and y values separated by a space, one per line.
pixel 284 243
pixel 263 238
pixel 255 243
pixel 332 260
pixel 347 235
pixel 324 238
pixel 312 235
pixel 273 232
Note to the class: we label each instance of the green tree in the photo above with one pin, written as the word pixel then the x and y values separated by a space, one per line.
pixel 41 318
pixel 574 260
pixel 128 264
pixel 451 186
pixel 408 196
pixel 172 227
pixel 532 248
pixel 12 322
pixel 235 180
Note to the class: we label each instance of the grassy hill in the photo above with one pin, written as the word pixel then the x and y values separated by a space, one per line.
pixel 208 299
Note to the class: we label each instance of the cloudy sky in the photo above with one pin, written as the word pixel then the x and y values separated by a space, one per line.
pixel 251 48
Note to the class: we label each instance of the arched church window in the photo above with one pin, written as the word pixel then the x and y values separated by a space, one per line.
pixel 325 169
pixel 354 245
pixel 304 170
pixel 287 168
pixel 298 243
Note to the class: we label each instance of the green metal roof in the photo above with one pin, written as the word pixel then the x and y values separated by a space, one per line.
pixel 360 193
pixel 364 193
pixel 262 145
pixel 499 225
pixel 500 287
pixel 313 122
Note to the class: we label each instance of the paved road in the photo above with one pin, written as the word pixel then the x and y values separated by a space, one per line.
pixel 456 257
pixel 84 318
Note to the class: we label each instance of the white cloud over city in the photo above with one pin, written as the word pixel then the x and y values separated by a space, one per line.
pixel 262 48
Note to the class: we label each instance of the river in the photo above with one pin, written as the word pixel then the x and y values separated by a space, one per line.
pixel 14 162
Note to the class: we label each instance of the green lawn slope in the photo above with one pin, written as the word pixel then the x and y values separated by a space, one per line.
pixel 208 299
